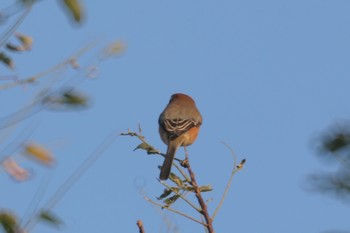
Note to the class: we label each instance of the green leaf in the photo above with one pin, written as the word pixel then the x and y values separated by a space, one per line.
pixel 6 60
pixel 165 193
pixel 66 100
pixel 174 178
pixel 142 146
pixel 171 200
pixel 49 217
pixel 74 99
pixel 8 221
pixel 337 142
pixel 147 147
pixel 204 188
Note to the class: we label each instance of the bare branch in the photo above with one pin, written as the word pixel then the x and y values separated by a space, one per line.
pixel 140 226
pixel 204 211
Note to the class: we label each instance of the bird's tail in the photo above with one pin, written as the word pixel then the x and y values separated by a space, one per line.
pixel 168 161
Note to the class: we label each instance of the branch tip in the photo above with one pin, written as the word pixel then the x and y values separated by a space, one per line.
pixel 140 226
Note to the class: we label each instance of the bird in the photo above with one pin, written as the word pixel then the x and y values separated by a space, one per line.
pixel 179 125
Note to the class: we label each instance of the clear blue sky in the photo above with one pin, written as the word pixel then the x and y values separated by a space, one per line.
pixel 267 76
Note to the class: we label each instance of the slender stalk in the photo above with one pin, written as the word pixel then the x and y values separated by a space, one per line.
pixel 229 182
pixel 224 194
pixel 235 169
pixel 204 211
pixel 182 172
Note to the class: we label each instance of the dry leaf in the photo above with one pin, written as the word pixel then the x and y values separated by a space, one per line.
pixel 39 153
pixel 14 170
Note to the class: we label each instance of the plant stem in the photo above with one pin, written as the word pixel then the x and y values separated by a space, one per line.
pixel 204 211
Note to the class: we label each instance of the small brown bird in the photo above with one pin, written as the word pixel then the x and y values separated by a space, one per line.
pixel 179 125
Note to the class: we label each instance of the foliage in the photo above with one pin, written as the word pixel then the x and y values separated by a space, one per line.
pixel 334 147
pixel 185 184
pixel 56 97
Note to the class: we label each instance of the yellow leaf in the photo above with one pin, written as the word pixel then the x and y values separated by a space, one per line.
pixel 74 8
pixel 115 48
pixel 39 153
pixel 26 41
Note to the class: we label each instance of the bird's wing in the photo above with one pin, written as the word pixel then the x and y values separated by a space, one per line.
pixel 176 127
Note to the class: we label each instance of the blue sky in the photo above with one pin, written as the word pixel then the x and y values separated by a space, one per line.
pixel 267 76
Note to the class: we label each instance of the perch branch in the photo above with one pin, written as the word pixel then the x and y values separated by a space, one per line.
pixel 204 211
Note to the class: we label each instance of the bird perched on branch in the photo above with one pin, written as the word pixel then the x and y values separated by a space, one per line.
pixel 179 125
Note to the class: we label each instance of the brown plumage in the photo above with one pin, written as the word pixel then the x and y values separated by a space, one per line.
pixel 179 125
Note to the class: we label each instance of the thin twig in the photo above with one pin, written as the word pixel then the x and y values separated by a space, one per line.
pixel 38 104
pixel 50 70
pixel 173 210
pixel 235 169
pixel 232 153
pixel 13 146
pixel 182 172
pixel 140 186
pixel 72 179
pixel 143 140
pixel 38 196
pixel 181 196
pixel 225 193
pixel 204 212
pixel 4 37
pixel 229 182
pixel 80 171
